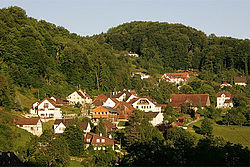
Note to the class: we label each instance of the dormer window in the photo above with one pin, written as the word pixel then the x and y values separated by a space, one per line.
pixel 97 140
pixel 46 105
pixel 103 140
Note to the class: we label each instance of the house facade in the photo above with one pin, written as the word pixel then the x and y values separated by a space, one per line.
pixel 143 74
pixel 110 102
pixel 105 113
pixel 32 125
pixel 47 108
pixel 176 78
pixel 157 118
pixel 224 100
pixel 146 104
pixel 80 96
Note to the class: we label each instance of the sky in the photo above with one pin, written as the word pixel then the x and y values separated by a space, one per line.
pixel 89 17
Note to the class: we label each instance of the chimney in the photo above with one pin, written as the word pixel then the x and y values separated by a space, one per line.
pixel 100 134
pixel 110 136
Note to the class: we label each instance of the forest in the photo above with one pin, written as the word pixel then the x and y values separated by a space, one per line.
pixel 40 55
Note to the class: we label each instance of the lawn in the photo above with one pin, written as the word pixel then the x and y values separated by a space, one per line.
pixel 22 138
pixel 234 134
pixel 73 163
pixel 48 125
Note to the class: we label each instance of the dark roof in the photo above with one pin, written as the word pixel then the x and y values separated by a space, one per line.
pixel 27 121
pixel 110 109
pixel 127 105
pixel 84 125
pixel 240 79
pixel 194 99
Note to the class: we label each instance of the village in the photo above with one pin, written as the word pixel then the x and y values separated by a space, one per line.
pixel 115 109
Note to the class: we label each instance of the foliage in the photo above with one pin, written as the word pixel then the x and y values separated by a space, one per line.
pixel 74 136
pixel 206 127
pixel 46 151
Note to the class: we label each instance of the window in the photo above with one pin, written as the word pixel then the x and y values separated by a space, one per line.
pixel 31 128
pixel 99 148
pixel 94 148
pixel 46 105
pixel 136 106
pixel 21 125
pixel 103 140
pixel 103 148
pixel 98 140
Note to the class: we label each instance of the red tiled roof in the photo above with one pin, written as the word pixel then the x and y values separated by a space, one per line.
pixel 127 105
pixel 240 79
pixel 183 75
pixel 109 125
pixel 226 93
pixel 27 121
pixel 194 99
pixel 133 100
pixel 100 100
pixel 51 101
pixel 176 124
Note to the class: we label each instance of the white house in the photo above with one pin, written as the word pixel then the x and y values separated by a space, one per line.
pixel 225 84
pixel 146 104
pixel 143 74
pixel 176 78
pixel 110 102
pixel 122 95
pixel 47 108
pixel 133 54
pixel 61 124
pixel 32 125
pixel 80 97
pixel 224 100
pixel 157 118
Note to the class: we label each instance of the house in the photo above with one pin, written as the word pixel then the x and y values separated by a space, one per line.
pixel 143 74
pixel 225 84
pixel 240 81
pixel 123 95
pixel 133 54
pixel 100 142
pixel 146 104
pixel 224 100
pixel 157 118
pixel 176 78
pixel 61 124
pixel 100 100
pixel 195 100
pixel 125 110
pixel 59 101
pixel 10 159
pixel 109 126
pixel 80 97
pixel 104 112
pixel 110 102
pixel 47 108
pixel 32 125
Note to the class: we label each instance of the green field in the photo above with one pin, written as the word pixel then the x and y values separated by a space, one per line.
pixel 21 139
pixel 73 163
pixel 234 134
